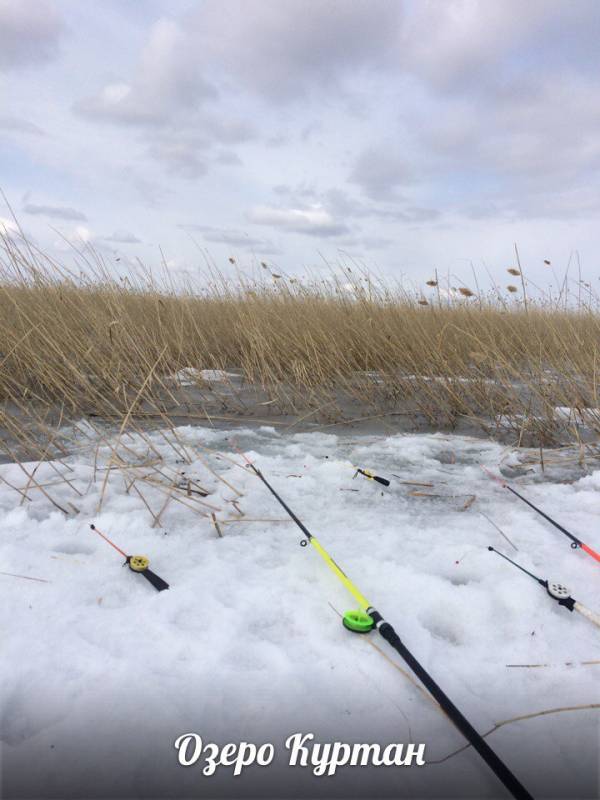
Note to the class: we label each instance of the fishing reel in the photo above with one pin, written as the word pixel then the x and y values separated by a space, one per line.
pixel 358 621
pixel 561 594
pixel 137 563
pixel 140 564
pixel 557 590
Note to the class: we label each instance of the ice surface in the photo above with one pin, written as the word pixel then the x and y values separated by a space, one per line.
pixel 247 642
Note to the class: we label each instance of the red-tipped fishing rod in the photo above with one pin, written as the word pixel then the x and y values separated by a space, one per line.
pixel 557 591
pixel 575 542
pixel 137 564
pixel 368 618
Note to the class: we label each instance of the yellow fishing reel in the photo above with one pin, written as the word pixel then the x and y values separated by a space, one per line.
pixel 138 563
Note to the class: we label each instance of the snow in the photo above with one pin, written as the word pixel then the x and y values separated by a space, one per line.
pixel 190 376
pixel 101 673
pixel 578 416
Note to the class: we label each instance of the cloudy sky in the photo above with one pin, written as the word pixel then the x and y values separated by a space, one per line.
pixel 405 133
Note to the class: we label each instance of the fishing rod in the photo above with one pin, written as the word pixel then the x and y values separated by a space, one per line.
pixel 575 542
pixel 556 591
pixel 366 618
pixel 371 476
pixel 137 564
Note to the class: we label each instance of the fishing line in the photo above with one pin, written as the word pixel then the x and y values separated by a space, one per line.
pixel 500 531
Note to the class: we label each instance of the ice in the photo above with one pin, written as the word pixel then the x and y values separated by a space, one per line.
pixel 248 643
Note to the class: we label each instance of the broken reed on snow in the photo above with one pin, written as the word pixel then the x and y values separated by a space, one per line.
pixel 76 341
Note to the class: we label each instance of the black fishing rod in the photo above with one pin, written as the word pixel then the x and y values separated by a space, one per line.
pixel 575 542
pixel 557 591
pixel 137 564
pixel 368 618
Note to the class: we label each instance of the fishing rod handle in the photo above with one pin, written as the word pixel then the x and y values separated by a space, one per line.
pixel 498 767
pixel 155 580
pixel 382 481
pixel 591 615
pixel 372 477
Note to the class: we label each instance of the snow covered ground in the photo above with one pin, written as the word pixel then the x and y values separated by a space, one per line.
pixel 101 673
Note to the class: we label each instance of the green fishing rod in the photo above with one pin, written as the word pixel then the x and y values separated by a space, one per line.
pixel 366 618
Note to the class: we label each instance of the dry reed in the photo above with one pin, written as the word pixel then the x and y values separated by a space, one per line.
pixel 83 343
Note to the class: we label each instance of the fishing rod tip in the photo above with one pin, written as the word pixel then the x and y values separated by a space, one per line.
pixel 92 526
pixel 496 478
pixel 490 547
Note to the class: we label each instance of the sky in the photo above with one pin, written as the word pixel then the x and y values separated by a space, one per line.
pixel 407 136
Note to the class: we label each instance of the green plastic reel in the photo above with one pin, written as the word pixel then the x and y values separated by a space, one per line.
pixel 358 621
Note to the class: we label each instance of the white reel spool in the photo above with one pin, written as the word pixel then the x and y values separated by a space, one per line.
pixel 558 591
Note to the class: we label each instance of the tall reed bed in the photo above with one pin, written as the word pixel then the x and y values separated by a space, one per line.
pixel 90 344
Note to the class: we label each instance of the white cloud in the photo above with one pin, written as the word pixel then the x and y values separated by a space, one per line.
pixel 462 43
pixel 288 49
pixel 380 171
pixel 234 238
pixel 114 93
pixel 446 129
pixel 122 237
pixel 77 236
pixel 168 80
pixel 58 212
pixel 314 221
pixel 81 233
pixel 18 126
pixel 8 228
pixel 29 33
pixel 228 158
